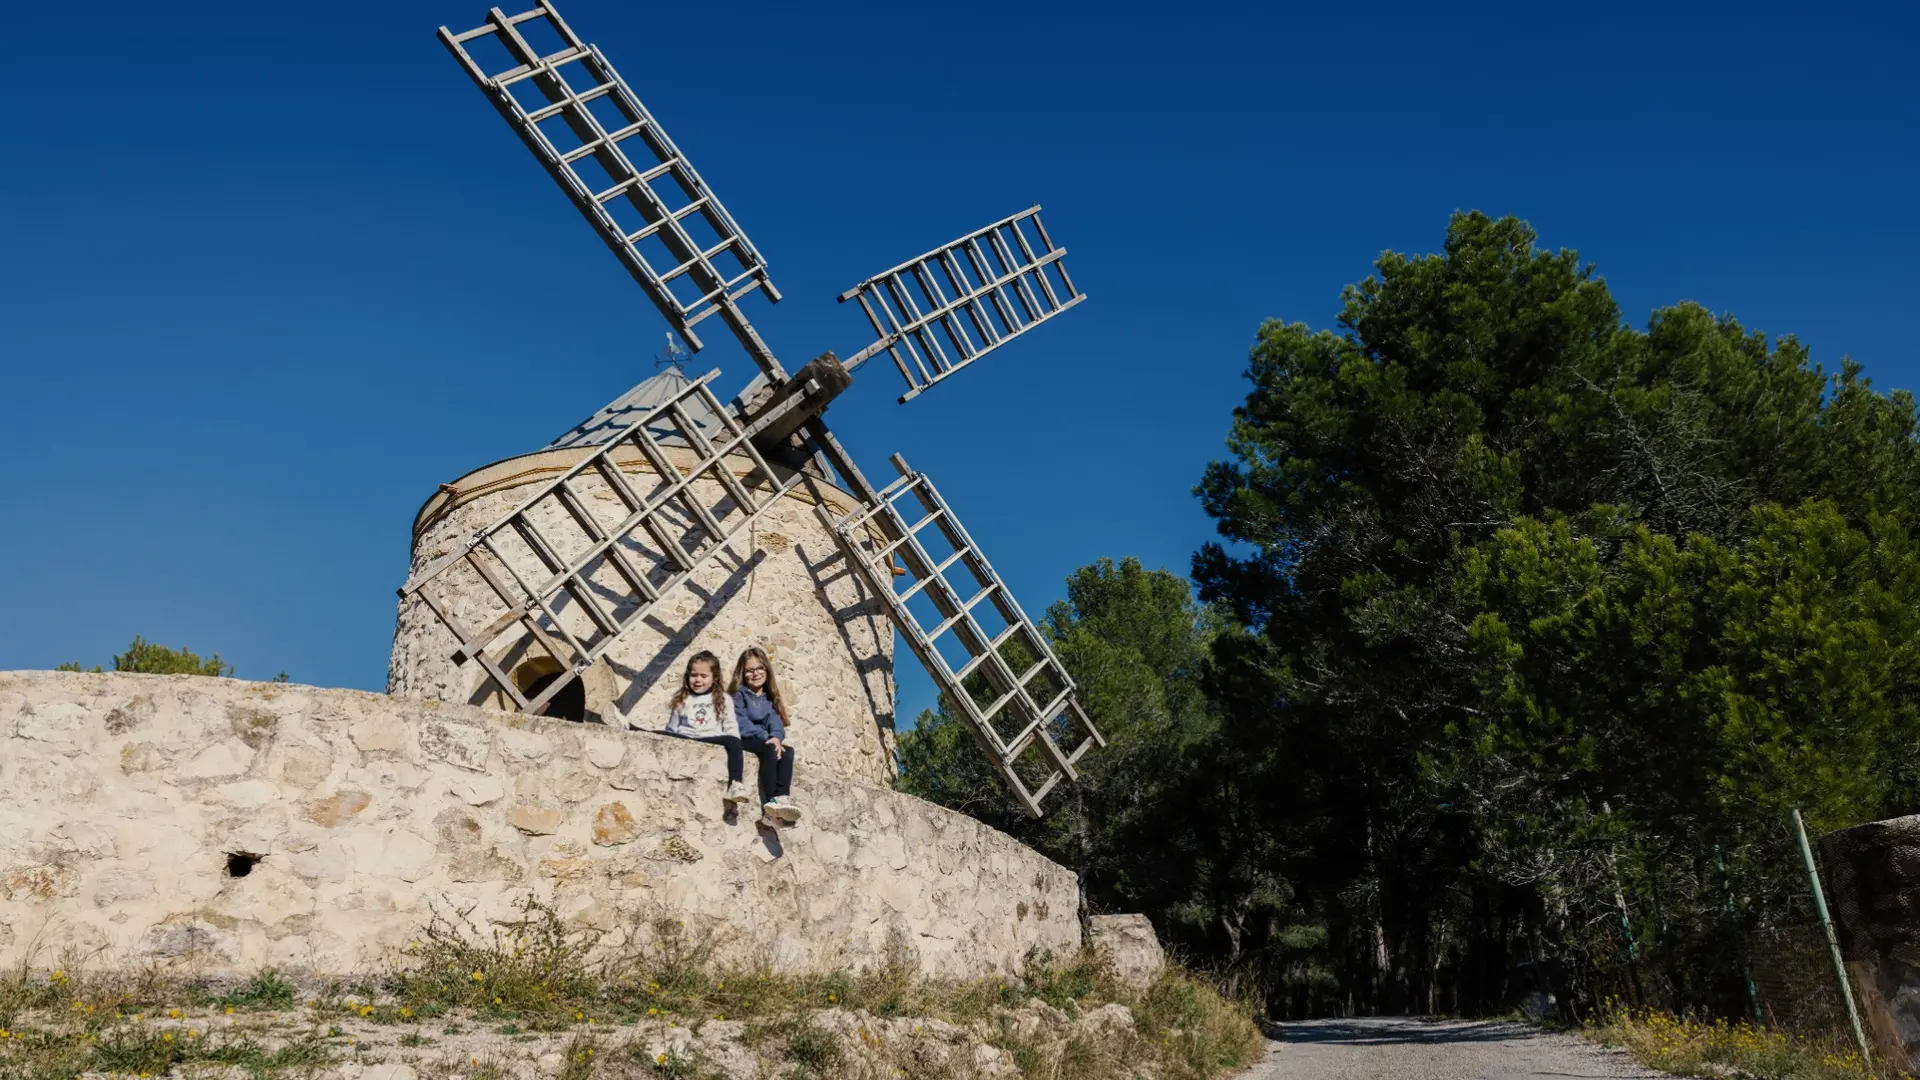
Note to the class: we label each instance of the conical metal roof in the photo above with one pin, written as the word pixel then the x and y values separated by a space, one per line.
pixel 613 417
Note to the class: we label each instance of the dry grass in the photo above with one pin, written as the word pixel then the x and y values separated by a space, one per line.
pixel 536 979
pixel 1719 1049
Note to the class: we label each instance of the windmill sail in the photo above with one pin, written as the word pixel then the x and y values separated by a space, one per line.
pixel 988 659
pixel 943 310
pixel 614 160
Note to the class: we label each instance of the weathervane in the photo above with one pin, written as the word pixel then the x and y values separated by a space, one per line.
pixel 934 315
pixel 671 356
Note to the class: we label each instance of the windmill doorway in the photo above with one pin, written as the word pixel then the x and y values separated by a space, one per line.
pixel 534 676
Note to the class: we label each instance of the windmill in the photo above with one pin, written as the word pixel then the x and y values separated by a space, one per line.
pixel 934 314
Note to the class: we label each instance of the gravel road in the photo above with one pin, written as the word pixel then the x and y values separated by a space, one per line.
pixel 1396 1048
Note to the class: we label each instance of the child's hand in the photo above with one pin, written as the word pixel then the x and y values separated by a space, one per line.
pixel 779 750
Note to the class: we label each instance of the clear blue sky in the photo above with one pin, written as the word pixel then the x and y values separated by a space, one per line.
pixel 271 272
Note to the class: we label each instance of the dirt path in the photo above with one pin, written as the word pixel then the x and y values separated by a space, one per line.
pixel 1409 1049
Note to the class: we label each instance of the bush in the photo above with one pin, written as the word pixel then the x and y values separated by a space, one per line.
pixel 267 990
pixel 1198 1030
pixel 531 967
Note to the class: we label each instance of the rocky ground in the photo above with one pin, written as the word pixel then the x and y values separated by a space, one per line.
pixel 831 1042
pixel 534 1012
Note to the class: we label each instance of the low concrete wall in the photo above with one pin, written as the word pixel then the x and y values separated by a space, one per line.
pixel 121 797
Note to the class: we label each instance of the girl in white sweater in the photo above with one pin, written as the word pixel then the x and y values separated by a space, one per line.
pixel 702 712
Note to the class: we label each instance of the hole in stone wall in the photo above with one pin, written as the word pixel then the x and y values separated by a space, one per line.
pixel 533 677
pixel 569 704
pixel 241 863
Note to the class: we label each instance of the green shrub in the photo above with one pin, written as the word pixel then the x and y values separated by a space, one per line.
pixel 267 990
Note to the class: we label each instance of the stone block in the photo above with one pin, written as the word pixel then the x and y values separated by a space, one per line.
pixel 390 853
pixel 606 753
pixel 221 761
pixel 475 866
pixel 535 820
pixel 613 824
pixel 377 736
pixel 462 745
pixel 337 809
pixel 139 757
pixel 456 827
pixel 525 746
pixel 27 883
pixel 676 849
pixel 1133 947
pixel 60 725
pixel 303 768
pixel 121 883
pixel 479 790
pixel 245 794
pixel 188 938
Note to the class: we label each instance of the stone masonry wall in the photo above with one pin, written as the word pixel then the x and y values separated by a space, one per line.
pixel 122 796
pixel 784 585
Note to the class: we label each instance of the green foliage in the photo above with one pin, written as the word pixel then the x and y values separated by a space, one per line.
pixel 266 990
pixel 1539 608
pixel 1519 613
pixel 532 966
pixel 1201 1032
pixel 577 1062
pixel 1710 688
pixel 145 658
pixel 150 659
pixel 1060 984
pixel 1154 823
pixel 816 1052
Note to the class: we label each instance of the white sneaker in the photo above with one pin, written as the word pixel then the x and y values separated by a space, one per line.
pixel 736 792
pixel 766 820
pixel 781 809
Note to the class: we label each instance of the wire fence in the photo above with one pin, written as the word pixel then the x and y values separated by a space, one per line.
pixel 1794 981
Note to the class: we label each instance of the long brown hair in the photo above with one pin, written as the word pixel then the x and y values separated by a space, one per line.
pixel 713 665
pixel 773 684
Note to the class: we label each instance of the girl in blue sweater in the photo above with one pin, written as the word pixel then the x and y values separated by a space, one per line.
pixel 762 715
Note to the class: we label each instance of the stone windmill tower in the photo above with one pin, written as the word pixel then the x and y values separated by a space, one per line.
pixel 784 584
pixel 572 581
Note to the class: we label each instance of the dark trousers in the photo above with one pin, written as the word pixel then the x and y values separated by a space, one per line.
pixel 735 763
pixel 776 774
